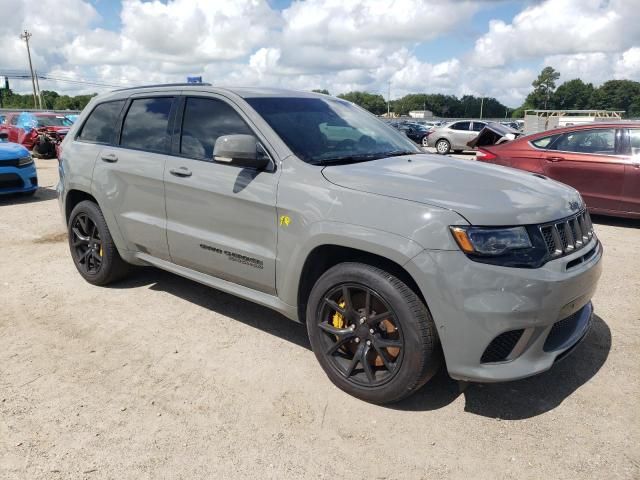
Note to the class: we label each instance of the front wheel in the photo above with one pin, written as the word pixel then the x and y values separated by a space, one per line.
pixel 371 333
pixel 443 146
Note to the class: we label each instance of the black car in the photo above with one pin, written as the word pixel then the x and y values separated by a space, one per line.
pixel 416 132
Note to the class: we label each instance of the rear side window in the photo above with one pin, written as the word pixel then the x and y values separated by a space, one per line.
pixel 206 119
pixel 461 126
pixel 544 142
pixel 477 126
pixel 101 124
pixel 146 126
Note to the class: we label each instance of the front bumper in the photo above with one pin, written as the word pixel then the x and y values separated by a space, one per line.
pixel 18 179
pixel 519 310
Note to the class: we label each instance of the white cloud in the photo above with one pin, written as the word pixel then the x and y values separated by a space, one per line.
pixel 561 27
pixel 340 45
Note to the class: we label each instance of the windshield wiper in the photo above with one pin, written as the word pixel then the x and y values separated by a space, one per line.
pixel 362 157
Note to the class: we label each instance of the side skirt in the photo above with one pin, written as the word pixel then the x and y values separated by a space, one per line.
pixel 261 298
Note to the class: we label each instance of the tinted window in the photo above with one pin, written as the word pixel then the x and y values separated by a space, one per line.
pixel 477 126
pixel 100 125
pixel 634 139
pixel 14 120
pixel 461 126
pixel 146 125
pixel 206 119
pixel 601 141
pixel 544 142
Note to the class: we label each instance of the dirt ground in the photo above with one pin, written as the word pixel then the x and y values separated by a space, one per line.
pixel 160 377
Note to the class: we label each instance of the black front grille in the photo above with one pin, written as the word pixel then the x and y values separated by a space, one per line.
pixel 501 346
pixel 10 180
pixel 568 235
pixel 561 331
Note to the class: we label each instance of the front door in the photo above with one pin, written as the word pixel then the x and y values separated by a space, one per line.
pixel 588 160
pixel 221 219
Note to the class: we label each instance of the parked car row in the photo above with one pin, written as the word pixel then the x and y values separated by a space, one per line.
pixel 40 132
pixel 17 170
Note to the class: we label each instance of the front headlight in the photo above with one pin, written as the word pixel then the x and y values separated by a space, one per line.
pixel 24 161
pixel 490 241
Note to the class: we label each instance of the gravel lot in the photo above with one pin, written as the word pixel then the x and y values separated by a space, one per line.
pixel 160 377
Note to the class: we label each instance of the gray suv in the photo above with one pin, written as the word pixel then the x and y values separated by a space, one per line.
pixel 396 260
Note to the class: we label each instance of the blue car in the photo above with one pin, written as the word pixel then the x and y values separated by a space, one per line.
pixel 17 170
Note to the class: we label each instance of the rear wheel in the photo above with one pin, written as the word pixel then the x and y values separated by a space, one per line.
pixel 425 141
pixel 371 333
pixel 92 249
pixel 443 146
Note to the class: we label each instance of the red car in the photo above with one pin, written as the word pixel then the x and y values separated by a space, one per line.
pixel 28 128
pixel 600 160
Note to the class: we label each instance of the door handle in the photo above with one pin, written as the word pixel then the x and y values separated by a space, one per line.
pixel 180 172
pixel 109 157
pixel 554 159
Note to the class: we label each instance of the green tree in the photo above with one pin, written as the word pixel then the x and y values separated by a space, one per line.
pixel 369 101
pixel 573 95
pixel 618 95
pixel 543 88
pixel 321 90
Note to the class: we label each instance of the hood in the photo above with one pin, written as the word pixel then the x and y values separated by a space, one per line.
pixel 11 151
pixel 484 194
pixel 494 134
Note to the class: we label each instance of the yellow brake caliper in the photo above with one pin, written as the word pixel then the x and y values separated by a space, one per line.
pixel 338 319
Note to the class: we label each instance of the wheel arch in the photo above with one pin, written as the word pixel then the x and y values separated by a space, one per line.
pixel 73 198
pixel 325 256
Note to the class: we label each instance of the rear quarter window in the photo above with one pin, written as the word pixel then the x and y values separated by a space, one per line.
pixel 544 142
pixel 101 125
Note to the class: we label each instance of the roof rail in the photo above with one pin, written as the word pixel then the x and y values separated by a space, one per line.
pixel 162 85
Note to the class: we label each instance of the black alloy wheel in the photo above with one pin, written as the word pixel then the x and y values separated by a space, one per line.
pixel 361 335
pixel 87 244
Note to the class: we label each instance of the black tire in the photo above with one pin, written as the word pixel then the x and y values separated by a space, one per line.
pixel 94 247
pixel 403 370
pixel 443 146
pixel 458 151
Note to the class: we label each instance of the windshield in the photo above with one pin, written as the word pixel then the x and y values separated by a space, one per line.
pixel 51 121
pixel 323 131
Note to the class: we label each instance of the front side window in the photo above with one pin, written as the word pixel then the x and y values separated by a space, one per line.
pixel 328 130
pixel 206 119
pixel 461 126
pixel 600 141
pixel 101 124
pixel 146 126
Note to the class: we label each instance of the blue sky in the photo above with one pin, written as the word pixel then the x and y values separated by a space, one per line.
pixel 490 48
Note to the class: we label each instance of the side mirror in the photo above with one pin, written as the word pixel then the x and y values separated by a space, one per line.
pixel 241 150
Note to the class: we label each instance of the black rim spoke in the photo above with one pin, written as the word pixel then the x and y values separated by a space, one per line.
pixel 364 346
pixel 86 242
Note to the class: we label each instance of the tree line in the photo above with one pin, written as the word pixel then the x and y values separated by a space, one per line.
pixel 571 95
pixel 50 100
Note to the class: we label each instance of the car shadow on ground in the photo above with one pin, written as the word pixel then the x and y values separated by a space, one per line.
pixel 43 193
pixel 509 401
pixel 615 221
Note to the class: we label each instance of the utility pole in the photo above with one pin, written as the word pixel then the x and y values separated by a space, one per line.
pixel 38 90
pixel 389 101
pixel 26 36
pixel 481 106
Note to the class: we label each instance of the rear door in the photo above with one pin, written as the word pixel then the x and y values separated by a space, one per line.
pixel 221 218
pixel 590 161
pixel 130 174
pixel 631 191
